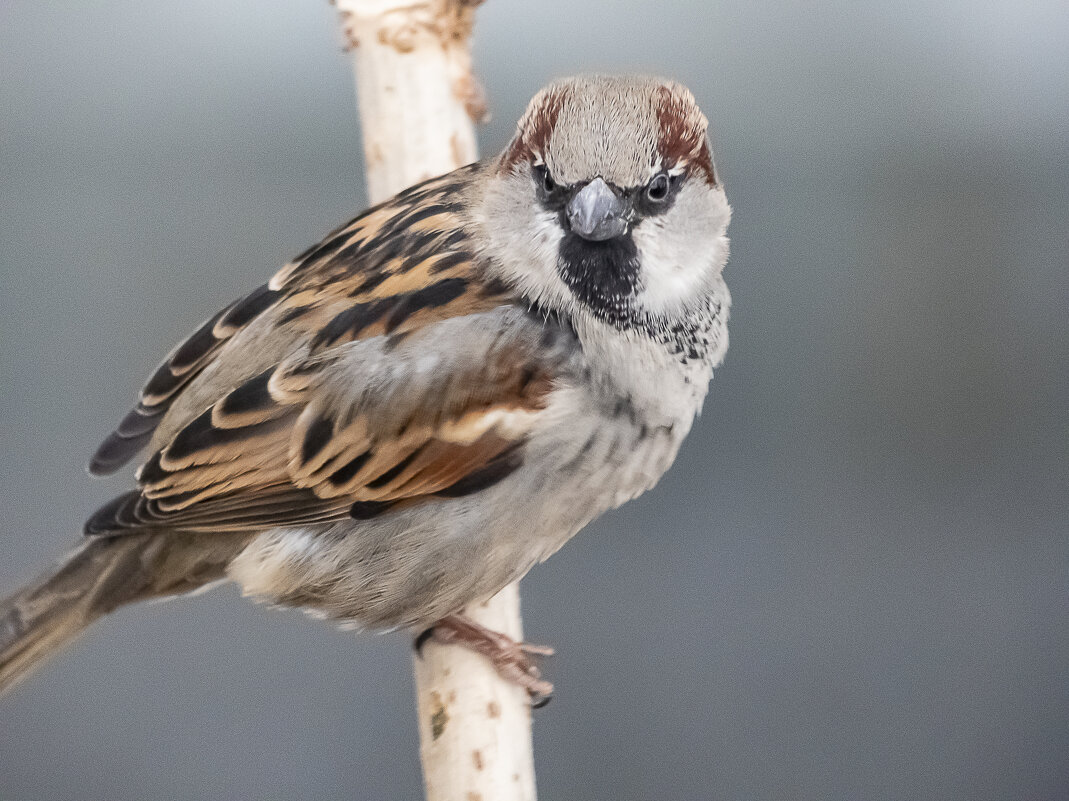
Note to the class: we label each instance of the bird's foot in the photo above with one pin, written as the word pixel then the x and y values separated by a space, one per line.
pixel 511 659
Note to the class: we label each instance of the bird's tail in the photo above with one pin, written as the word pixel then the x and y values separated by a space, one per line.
pixel 97 578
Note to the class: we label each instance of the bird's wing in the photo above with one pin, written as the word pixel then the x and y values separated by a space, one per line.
pixel 440 411
pixel 401 264
pixel 406 374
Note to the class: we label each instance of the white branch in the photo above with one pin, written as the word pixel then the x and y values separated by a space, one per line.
pixel 418 104
pixel 417 96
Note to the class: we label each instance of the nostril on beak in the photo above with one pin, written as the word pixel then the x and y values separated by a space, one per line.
pixel 596 212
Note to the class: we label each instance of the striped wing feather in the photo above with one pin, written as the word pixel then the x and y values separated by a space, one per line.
pixel 344 427
pixel 312 444
pixel 400 264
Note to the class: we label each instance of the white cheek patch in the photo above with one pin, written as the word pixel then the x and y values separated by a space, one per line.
pixel 682 251
pixel 524 239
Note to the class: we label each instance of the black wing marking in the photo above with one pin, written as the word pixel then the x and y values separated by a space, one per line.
pixel 178 369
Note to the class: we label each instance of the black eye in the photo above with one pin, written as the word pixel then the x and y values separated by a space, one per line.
pixel 543 178
pixel 657 189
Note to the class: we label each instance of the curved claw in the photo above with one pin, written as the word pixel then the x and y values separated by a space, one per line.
pixel 511 659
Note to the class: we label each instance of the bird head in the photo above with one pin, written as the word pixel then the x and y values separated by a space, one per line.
pixel 606 201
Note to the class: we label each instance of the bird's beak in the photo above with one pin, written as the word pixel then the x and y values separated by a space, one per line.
pixel 597 213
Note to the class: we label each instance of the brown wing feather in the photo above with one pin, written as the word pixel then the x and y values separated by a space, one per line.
pixel 286 447
pixel 180 367
pixel 299 460
pixel 397 266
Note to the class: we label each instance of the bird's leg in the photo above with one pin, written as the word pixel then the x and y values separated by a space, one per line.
pixel 511 659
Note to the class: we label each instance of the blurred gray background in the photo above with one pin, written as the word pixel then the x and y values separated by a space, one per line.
pixel 854 584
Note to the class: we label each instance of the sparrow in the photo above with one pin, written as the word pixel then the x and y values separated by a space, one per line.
pixel 411 414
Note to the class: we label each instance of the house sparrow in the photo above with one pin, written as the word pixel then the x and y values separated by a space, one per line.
pixel 411 414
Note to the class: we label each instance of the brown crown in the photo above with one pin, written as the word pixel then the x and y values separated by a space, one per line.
pixel 682 129
pixel 535 128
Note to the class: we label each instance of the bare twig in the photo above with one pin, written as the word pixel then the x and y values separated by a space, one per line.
pixel 418 103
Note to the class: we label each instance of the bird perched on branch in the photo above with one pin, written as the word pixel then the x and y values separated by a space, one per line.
pixel 411 414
